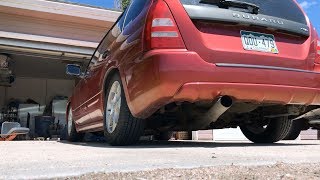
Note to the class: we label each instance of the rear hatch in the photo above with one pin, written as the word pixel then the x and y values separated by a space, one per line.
pixel 255 32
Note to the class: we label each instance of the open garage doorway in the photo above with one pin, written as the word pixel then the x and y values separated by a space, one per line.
pixel 37 92
pixel 37 40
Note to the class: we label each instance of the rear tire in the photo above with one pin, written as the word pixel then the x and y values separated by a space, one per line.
pixel 164 136
pixel 72 134
pixel 275 130
pixel 120 127
pixel 295 130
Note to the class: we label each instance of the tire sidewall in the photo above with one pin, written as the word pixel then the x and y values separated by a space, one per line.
pixel 112 136
pixel 129 128
pixel 73 136
pixel 295 130
pixel 276 130
pixel 68 114
pixel 164 136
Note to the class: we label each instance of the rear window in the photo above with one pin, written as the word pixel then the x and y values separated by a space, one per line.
pixel 285 9
pixel 134 10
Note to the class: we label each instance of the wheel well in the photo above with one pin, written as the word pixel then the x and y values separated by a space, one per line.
pixel 67 109
pixel 107 79
pixel 68 104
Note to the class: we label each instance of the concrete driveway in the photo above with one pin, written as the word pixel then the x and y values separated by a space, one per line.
pixel 48 159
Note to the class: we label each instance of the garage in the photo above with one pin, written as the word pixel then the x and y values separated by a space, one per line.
pixel 37 40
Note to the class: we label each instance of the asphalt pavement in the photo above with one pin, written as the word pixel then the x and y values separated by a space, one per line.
pixel 50 159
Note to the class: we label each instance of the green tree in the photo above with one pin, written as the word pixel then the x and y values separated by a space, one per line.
pixel 125 3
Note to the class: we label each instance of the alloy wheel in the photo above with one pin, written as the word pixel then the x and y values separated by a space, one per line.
pixel 113 107
pixel 70 121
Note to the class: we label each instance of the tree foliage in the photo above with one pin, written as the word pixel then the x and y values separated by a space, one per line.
pixel 125 3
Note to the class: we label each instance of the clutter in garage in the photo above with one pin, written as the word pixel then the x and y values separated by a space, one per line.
pixel 39 121
pixel 6 76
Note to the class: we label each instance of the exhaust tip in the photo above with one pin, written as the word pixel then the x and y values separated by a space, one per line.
pixel 226 101
pixel 315 121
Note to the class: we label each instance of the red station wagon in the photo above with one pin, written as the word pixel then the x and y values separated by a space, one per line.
pixel 186 65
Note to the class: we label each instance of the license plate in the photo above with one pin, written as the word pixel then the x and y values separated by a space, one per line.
pixel 253 41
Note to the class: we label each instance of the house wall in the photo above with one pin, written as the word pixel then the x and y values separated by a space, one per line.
pixel 52 28
pixel 56 19
pixel 236 135
pixel 205 135
pixel 39 90
pixel 310 134
pixel 2 96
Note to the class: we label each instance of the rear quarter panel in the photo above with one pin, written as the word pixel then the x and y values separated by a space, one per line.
pixel 125 42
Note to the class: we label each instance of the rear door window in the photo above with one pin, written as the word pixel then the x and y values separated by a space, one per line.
pixel 285 9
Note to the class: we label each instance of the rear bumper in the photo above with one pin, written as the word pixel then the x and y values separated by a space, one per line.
pixel 279 94
pixel 177 76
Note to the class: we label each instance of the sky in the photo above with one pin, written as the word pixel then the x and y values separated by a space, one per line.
pixel 101 3
pixel 311 7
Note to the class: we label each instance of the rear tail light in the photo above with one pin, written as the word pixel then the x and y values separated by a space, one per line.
pixel 318 52
pixel 161 31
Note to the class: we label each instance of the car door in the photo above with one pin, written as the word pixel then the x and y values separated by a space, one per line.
pixel 92 90
pixel 93 87
pixel 75 101
pixel 78 100
pixel 87 91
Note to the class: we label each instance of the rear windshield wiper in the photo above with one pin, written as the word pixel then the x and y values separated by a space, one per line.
pixel 233 3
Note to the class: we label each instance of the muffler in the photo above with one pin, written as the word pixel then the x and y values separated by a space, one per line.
pixel 218 108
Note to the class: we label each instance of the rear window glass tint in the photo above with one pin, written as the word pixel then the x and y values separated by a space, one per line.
pixel 134 10
pixel 286 9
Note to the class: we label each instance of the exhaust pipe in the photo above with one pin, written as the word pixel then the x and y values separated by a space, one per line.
pixel 218 108
pixel 314 121
pixel 312 116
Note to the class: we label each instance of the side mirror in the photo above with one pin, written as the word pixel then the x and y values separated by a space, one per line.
pixel 73 70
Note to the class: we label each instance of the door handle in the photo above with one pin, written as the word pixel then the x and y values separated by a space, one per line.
pixel 84 75
pixel 106 54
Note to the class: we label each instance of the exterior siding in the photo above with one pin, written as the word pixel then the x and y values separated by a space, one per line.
pixel 205 135
pixel 50 28
pixel 309 135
